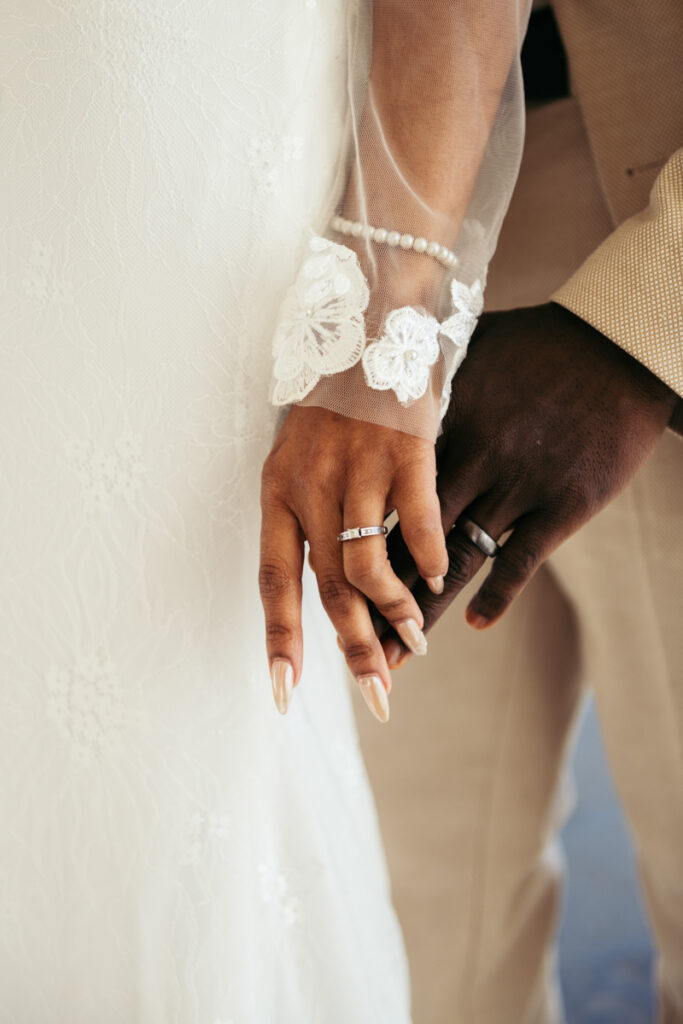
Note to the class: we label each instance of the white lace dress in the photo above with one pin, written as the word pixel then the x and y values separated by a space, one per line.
pixel 172 850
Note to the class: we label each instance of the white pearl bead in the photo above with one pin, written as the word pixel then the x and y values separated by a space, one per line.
pixel 357 229
pixel 410 355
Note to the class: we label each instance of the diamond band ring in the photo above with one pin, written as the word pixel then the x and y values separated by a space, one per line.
pixel 480 538
pixel 362 531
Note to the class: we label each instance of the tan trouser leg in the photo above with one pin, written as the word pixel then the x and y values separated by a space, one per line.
pixel 625 573
pixel 465 777
pixel 465 772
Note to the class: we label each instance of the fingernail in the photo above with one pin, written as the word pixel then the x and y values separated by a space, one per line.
pixel 412 636
pixel 375 696
pixel 394 652
pixel 476 620
pixel 282 677
pixel 435 584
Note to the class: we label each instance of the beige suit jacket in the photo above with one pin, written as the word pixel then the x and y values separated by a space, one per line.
pixel 626 69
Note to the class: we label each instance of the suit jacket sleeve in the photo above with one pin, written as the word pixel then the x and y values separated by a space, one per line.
pixel 631 287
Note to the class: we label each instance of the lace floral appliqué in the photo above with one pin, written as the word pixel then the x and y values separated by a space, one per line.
pixel 456 331
pixel 321 329
pixel 412 341
pixel 402 358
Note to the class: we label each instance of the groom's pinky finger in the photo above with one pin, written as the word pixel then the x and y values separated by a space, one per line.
pixel 280 570
pixel 530 543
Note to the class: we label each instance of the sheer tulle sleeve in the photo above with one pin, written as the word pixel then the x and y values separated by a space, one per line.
pixel 390 288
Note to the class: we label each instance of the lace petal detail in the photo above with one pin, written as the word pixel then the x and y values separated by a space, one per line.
pixel 468 302
pixel 321 329
pixel 402 358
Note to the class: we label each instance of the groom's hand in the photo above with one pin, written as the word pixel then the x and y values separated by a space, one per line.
pixel 548 421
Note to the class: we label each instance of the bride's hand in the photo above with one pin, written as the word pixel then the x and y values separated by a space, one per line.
pixel 327 473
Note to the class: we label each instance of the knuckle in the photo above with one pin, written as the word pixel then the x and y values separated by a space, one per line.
pixel 460 565
pixel 517 566
pixel 393 610
pixel 269 473
pixel 432 610
pixel 366 573
pixel 358 650
pixel 574 502
pixel 335 593
pixel 327 469
pixel 274 580
pixel 279 632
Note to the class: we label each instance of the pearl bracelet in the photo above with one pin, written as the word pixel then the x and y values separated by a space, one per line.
pixel 357 228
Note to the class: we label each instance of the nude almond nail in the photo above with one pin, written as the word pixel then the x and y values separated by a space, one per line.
pixel 435 584
pixel 375 696
pixel 412 636
pixel 282 677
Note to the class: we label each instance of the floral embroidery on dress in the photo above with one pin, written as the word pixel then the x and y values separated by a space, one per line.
pixel 87 703
pixel 266 154
pixel 320 329
pixel 276 892
pixel 348 760
pixel 141 45
pixel 104 474
pixel 42 280
pixel 206 832
pixel 402 358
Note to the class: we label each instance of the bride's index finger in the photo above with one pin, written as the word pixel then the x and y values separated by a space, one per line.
pixel 367 567
pixel 419 514
pixel 280 571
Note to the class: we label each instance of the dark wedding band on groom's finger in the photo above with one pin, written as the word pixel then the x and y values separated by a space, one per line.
pixel 465 559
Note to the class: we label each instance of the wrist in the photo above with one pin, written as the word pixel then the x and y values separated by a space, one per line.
pixel 646 383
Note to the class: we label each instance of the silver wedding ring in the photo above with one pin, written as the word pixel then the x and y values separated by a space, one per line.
pixel 362 531
pixel 483 540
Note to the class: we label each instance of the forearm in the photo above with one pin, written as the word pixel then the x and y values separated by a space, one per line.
pixel 436 116
pixel 437 76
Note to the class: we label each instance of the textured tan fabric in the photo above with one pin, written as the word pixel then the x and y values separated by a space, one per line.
pixel 627 75
pixel 631 287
